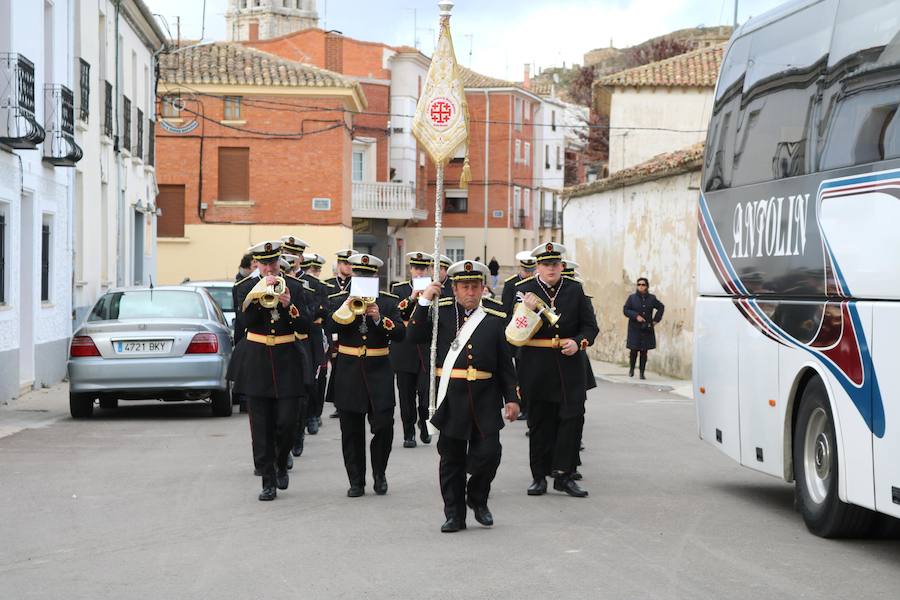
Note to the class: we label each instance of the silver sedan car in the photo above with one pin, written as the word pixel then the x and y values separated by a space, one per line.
pixel 166 343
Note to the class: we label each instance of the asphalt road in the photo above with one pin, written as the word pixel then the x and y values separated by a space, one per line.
pixel 159 501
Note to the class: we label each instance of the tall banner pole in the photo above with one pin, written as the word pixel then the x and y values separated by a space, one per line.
pixel 441 126
pixel 438 214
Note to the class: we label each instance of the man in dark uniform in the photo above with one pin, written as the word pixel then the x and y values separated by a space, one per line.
pixel 551 371
pixel 444 263
pixel 410 360
pixel 239 328
pixel 477 378
pixel 339 283
pixel 311 269
pixel 508 299
pixel 364 385
pixel 273 367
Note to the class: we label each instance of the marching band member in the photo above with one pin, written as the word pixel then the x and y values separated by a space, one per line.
pixel 508 298
pixel 311 269
pixel 444 263
pixel 477 378
pixel 364 386
pixel 551 368
pixel 273 368
pixel 340 282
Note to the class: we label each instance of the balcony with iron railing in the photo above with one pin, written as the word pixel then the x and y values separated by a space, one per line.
pixel 126 124
pixel 84 90
pixel 386 200
pixel 18 126
pixel 139 142
pixel 108 109
pixel 551 219
pixel 520 221
pixel 59 146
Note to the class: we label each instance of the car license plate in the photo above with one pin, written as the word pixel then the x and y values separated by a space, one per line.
pixel 143 346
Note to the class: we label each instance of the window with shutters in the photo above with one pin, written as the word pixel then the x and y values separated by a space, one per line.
pixel 234 174
pixel 232 108
pixel 170 201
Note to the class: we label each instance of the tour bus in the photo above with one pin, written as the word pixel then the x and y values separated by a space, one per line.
pixel 796 372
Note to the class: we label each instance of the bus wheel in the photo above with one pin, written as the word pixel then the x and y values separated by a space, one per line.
pixel 816 470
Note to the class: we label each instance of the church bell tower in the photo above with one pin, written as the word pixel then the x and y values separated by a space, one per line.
pixel 264 19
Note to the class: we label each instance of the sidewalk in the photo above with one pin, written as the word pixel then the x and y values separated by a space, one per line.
pixel 35 409
pixel 613 373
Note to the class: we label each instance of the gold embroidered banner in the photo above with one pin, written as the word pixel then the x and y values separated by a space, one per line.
pixel 441 123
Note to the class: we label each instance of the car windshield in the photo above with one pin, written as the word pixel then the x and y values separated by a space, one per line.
pixel 222 296
pixel 148 304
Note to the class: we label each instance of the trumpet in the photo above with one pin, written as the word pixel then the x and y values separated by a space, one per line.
pixel 547 312
pixel 266 295
pixel 358 306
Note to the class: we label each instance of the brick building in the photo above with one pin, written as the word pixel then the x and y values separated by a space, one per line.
pixel 250 146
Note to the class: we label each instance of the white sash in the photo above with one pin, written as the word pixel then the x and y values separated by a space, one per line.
pixel 463 338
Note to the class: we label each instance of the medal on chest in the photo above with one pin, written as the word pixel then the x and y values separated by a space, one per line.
pixel 275 315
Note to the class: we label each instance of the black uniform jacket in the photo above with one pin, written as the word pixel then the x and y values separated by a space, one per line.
pixel 337 284
pixel 509 294
pixel 366 384
pixel 470 406
pixel 318 313
pixel 407 356
pixel 546 374
pixel 281 370
pixel 641 335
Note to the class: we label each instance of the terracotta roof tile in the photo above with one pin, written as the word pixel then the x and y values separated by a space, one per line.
pixel 662 165
pixel 223 63
pixel 698 68
pixel 471 79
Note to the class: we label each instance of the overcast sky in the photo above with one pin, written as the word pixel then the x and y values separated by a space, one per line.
pixel 503 35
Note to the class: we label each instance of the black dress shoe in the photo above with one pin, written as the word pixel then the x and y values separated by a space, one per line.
pixel 523 416
pixel 268 493
pixel 297 450
pixel 380 486
pixel 538 487
pixel 567 484
pixel 453 525
pixel 319 421
pixel 312 426
pixel 409 443
pixel 290 462
pixel 356 491
pixel 335 414
pixel 425 436
pixel 482 514
pixel 282 480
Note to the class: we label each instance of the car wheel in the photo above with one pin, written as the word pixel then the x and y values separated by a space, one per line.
pixel 816 470
pixel 109 403
pixel 81 406
pixel 221 403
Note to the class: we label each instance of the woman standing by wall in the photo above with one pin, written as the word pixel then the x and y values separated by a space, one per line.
pixel 644 311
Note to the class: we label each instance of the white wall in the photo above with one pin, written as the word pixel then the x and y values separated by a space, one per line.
pixel 33 192
pixel 686 110
pixel 645 230
pixel 406 72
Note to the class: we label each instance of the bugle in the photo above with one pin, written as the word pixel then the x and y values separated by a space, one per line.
pixel 265 294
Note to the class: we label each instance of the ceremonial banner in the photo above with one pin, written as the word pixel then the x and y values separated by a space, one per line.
pixel 441 123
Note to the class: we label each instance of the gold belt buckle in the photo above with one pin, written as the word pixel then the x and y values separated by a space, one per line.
pixel 270 340
pixel 362 351
pixel 556 342
pixel 471 373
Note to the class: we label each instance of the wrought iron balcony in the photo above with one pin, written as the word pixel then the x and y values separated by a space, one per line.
pixel 60 148
pixel 519 220
pixel 139 143
pixel 108 110
pixel 558 221
pixel 547 218
pixel 383 200
pixel 126 124
pixel 84 90
pixel 18 126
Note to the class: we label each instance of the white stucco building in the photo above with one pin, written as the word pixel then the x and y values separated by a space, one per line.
pixel 114 206
pixel 58 223
pixel 658 107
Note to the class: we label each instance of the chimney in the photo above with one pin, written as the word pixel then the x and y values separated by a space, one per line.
pixel 526 82
pixel 334 51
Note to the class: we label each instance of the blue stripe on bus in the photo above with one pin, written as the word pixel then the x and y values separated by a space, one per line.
pixel 714 234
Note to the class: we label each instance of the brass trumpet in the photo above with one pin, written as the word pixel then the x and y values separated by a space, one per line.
pixel 358 306
pixel 547 312
pixel 266 295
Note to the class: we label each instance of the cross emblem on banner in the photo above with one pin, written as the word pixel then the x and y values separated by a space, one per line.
pixel 440 111
pixel 521 322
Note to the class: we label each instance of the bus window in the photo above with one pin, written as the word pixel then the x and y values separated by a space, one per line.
pixel 862 25
pixel 718 167
pixel 786 60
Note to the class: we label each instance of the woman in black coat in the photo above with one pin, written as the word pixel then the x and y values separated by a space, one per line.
pixel 643 311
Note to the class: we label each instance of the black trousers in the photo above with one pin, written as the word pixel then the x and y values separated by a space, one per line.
pixel 353 444
pixel 553 443
pixel 480 457
pixel 273 424
pixel 632 357
pixel 317 403
pixel 411 386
